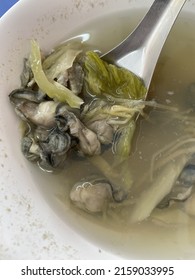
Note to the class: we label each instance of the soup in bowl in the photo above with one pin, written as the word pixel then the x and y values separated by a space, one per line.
pixel 137 183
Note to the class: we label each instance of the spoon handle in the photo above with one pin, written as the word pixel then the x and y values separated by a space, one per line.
pixel 139 52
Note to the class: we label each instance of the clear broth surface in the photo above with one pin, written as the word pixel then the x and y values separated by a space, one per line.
pixel 168 233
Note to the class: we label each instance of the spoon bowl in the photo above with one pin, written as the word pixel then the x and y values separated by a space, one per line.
pixel 140 51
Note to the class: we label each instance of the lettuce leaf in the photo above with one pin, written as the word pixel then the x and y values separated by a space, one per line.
pixel 103 78
pixel 60 60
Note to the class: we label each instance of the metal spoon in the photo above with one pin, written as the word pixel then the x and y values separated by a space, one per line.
pixel 139 52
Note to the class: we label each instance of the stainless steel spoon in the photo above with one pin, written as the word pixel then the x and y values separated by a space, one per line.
pixel 139 52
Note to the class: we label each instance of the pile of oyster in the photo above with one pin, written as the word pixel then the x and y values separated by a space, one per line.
pixel 54 126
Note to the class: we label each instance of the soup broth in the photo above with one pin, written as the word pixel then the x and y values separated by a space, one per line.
pixel 167 232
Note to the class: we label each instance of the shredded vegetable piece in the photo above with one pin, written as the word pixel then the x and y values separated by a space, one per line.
pixel 52 89
pixel 161 186
pixel 123 139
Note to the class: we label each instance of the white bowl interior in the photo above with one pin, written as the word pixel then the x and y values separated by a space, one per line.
pixel 32 213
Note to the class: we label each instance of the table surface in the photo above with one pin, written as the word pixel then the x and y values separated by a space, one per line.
pixel 6 5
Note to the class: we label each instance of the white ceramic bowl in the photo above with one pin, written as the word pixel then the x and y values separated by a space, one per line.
pixel 32 225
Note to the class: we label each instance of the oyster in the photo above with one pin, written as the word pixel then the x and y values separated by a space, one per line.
pixel 76 77
pixel 92 194
pixel 183 188
pixel 42 114
pixel 26 76
pixel 187 177
pixel 93 117
pixel 20 95
pixel 32 106
pixel 55 150
pixel 49 149
pixel 30 148
pixel 88 142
